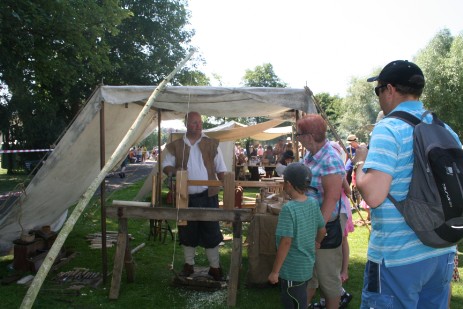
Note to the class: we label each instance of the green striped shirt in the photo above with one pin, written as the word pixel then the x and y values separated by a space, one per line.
pixel 300 221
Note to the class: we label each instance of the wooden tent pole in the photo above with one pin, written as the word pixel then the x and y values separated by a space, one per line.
pixel 159 176
pixel 323 114
pixel 34 288
pixel 104 250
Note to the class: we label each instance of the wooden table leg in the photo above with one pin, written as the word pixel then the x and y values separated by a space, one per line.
pixel 119 259
pixel 235 263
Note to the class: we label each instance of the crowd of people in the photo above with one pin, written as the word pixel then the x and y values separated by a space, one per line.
pixel 313 227
pixel 139 154
pixel 401 271
pixel 273 158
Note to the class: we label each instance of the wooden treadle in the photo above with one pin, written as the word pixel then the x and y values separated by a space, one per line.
pixel 199 280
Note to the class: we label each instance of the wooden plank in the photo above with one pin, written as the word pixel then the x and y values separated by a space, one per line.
pixel 218 183
pixel 181 193
pixel 229 191
pixel 167 213
pixel 235 264
pixel 257 184
pixel 208 183
pixel 128 260
pixel 118 262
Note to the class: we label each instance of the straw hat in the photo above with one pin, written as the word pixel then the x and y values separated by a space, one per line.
pixel 352 138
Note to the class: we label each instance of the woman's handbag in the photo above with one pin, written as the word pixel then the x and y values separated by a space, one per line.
pixel 333 238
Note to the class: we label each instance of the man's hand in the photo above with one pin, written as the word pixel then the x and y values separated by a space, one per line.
pixel 360 154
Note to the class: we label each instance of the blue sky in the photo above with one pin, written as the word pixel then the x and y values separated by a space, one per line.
pixel 319 43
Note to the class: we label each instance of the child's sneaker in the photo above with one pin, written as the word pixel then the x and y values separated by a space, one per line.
pixel 345 300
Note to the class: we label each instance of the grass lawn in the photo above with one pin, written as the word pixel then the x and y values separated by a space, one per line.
pixel 152 287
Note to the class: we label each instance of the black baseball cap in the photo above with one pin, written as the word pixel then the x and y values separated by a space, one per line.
pixel 299 175
pixel 401 72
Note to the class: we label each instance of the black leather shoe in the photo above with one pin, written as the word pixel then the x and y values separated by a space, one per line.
pixel 187 270
pixel 216 273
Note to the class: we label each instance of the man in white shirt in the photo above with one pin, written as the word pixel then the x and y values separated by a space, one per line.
pixel 202 158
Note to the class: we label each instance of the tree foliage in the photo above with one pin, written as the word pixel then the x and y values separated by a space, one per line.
pixel 54 53
pixel 359 110
pixel 331 105
pixel 442 64
pixel 262 76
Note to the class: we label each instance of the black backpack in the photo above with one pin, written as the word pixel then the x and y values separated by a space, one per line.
pixel 433 207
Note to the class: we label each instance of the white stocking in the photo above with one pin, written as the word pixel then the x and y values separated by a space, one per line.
pixel 213 257
pixel 189 253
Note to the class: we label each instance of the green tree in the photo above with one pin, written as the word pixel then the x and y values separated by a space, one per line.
pixel 442 64
pixel 189 77
pixel 53 54
pixel 150 43
pixel 331 105
pixel 359 110
pixel 262 76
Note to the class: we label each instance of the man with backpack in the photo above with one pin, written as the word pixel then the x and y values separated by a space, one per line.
pixel 401 271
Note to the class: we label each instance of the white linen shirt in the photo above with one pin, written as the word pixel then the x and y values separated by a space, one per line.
pixel 195 167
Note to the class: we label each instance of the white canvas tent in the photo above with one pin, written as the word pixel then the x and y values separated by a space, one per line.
pixel 75 162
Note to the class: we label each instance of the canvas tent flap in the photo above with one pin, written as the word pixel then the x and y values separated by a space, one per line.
pixel 75 162
pixel 272 133
pixel 232 131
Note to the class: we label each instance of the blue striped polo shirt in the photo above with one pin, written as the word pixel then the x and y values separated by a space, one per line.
pixel 391 152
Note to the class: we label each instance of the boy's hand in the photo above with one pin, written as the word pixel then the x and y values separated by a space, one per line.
pixel 273 278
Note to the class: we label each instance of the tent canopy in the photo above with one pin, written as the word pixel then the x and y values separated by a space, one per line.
pixel 75 162
pixel 232 131
pixel 215 101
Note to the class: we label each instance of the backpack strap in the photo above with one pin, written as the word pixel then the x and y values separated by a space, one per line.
pixel 407 117
pixel 411 120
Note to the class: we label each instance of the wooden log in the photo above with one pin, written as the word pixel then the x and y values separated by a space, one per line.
pixel 138 248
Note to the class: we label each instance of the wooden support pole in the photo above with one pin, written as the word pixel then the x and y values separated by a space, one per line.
pixel 181 193
pixel 235 263
pixel 119 258
pixel 229 191
pixel 323 114
pixel 34 288
pixel 154 191
pixel 128 259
